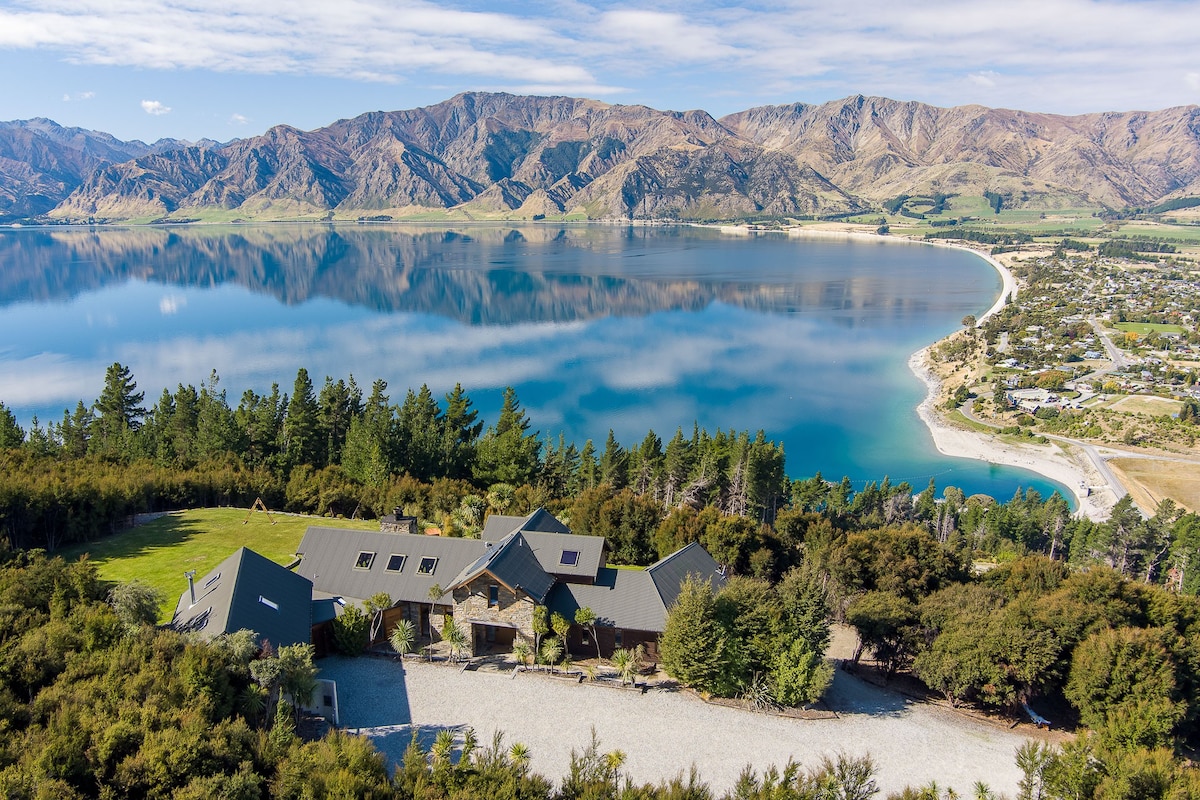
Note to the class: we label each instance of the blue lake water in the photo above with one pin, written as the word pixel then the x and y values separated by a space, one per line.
pixel 597 327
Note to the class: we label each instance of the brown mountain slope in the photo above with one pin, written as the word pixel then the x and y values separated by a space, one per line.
pixel 524 156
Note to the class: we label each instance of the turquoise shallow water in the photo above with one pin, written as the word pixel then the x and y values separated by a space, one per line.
pixel 597 327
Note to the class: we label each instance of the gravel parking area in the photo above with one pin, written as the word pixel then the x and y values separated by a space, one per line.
pixel 663 733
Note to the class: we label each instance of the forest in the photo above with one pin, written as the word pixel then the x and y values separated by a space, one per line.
pixel 1000 605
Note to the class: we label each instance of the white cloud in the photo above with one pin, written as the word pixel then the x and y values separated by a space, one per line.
pixel 155 108
pixel 1067 55
pixel 986 79
pixel 78 96
pixel 237 119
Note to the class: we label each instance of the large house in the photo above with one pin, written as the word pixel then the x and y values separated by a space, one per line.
pixel 491 585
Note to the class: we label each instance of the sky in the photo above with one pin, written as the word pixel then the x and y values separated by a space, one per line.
pixel 188 69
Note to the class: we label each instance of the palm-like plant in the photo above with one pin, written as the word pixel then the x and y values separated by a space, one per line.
pixel 521 651
pixel 443 748
pixel 622 661
pixel 519 755
pixel 403 637
pixel 552 651
pixel 455 638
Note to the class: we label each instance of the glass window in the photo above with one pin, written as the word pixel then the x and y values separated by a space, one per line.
pixel 365 560
pixel 427 566
pixel 396 563
pixel 569 558
pixel 493 596
pixel 271 604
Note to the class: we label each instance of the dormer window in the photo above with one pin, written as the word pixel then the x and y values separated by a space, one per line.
pixel 427 566
pixel 569 558
pixel 365 559
pixel 396 562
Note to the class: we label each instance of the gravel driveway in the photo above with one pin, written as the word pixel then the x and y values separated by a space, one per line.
pixel 663 733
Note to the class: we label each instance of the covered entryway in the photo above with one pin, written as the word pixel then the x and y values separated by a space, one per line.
pixel 491 636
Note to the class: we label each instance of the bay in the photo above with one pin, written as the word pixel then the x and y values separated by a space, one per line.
pixel 598 327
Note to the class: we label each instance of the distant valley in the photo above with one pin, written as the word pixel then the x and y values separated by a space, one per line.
pixel 500 156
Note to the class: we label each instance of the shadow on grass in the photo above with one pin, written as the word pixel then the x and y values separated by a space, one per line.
pixel 166 531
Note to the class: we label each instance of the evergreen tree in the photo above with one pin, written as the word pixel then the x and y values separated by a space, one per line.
pixel 421 436
pixel 460 432
pixel 507 453
pixel 75 431
pixel 614 464
pixel 216 433
pixel 11 434
pixel 692 644
pixel 339 403
pixel 304 443
pixel 587 474
pixel 118 412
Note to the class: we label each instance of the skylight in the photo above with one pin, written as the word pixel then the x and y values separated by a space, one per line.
pixel 365 559
pixel 396 562
pixel 271 604
pixel 569 558
pixel 427 566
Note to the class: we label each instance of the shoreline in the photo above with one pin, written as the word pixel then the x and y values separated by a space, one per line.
pixel 1094 497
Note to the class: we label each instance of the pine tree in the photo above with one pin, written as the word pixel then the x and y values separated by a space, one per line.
pixel 118 411
pixel 11 434
pixel 420 432
pixel 692 644
pixel 301 427
pixel 614 463
pixel 460 432
pixel 507 453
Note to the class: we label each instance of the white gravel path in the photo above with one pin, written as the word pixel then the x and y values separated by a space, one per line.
pixel 664 733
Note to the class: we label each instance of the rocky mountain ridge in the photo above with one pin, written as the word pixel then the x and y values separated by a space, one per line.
pixel 503 155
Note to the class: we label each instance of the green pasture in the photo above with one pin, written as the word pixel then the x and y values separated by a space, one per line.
pixel 1143 328
pixel 160 552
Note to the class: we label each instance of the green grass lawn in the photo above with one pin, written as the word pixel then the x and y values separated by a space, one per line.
pixel 1143 328
pixel 159 552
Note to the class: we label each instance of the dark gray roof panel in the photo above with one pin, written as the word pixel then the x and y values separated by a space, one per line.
pixel 669 573
pixel 620 598
pixel 512 562
pixel 543 521
pixel 497 526
pixel 249 591
pixel 550 547
pixel 329 556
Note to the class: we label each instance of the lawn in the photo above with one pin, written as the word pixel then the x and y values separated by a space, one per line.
pixel 159 552
pixel 1143 328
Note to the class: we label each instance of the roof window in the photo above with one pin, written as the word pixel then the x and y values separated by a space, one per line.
pixel 569 558
pixel 271 604
pixel 365 559
pixel 396 562
pixel 427 566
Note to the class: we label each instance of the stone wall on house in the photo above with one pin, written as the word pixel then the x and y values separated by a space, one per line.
pixel 397 523
pixel 515 610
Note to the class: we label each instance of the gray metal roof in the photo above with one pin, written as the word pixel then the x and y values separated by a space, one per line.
pixel 247 590
pixel 550 539
pixel 668 574
pixel 512 562
pixel 329 557
pixel 637 599
pixel 620 598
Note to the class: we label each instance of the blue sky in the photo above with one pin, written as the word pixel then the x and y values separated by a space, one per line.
pixel 222 69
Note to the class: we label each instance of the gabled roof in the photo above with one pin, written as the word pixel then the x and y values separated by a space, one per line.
pixel 249 591
pixel 550 539
pixel 637 599
pixel 512 562
pixel 669 573
pixel 329 558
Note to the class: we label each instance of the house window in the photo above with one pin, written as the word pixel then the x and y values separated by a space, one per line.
pixel 271 604
pixel 365 560
pixel 212 580
pixel 569 558
pixel 427 566
pixel 493 596
pixel 618 639
pixel 396 563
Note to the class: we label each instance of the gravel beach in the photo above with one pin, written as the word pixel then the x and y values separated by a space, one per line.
pixel 663 733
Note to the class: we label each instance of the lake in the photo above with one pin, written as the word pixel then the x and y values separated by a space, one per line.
pixel 596 326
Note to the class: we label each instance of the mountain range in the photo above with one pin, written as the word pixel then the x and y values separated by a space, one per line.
pixel 502 155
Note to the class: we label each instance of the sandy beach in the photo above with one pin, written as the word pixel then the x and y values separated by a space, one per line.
pixel 1072 467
